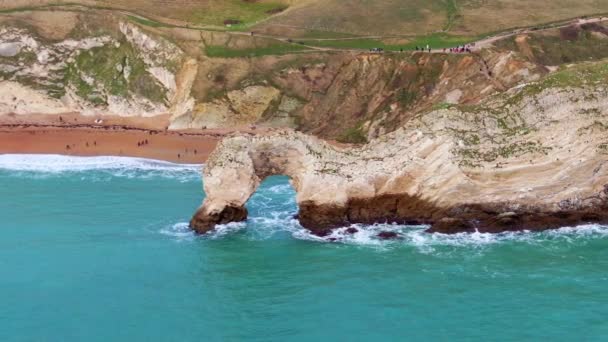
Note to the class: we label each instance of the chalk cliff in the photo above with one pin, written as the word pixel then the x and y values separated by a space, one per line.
pixel 534 157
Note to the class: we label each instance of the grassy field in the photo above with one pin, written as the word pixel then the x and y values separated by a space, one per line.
pixel 205 12
pixel 327 23
pixel 202 12
pixel 339 18
pixel 237 10
pixel 423 17
pixel 436 41
pixel 273 49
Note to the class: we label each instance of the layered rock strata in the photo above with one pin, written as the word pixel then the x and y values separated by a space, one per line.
pixel 533 158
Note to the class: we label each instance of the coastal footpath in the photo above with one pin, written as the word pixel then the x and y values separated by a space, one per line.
pixel 532 158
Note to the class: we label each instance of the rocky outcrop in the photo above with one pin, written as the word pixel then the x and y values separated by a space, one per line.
pixel 238 107
pixel 532 158
pixel 116 69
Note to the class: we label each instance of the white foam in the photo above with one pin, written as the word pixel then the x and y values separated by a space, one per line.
pixel 181 231
pixel 223 230
pixel 263 228
pixel 416 236
pixel 281 189
pixel 119 166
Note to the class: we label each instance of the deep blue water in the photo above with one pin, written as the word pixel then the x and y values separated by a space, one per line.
pixel 97 249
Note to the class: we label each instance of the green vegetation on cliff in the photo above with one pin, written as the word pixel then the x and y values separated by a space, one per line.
pixel 436 41
pixel 353 135
pixel 117 69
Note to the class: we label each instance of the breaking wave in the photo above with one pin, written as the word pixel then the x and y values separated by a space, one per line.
pixel 48 164
pixel 416 236
pixel 273 209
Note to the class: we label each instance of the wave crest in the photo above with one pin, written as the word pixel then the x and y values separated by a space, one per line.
pixel 49 164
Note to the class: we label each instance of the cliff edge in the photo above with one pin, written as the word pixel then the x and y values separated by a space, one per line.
pixel 532 158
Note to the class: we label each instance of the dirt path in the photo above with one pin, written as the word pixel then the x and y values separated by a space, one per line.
pixel 477 45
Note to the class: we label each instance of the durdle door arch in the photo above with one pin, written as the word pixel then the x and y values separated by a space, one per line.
pixel 388 181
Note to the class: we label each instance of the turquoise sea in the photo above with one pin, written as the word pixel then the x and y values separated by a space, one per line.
pixel 97 249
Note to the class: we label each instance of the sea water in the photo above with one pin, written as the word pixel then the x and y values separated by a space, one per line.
pixel 98 249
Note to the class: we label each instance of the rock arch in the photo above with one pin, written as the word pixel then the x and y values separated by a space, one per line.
pixel 457 170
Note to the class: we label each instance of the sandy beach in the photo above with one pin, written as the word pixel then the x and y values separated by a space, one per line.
pixel 74 134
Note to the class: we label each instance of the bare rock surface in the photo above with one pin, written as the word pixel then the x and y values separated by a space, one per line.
pixel 532 158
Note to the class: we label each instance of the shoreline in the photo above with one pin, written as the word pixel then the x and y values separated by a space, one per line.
pixel 84 136
pixel 90 142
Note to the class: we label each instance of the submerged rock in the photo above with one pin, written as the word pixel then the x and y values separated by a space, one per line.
pixel 388 235
pixel 352 230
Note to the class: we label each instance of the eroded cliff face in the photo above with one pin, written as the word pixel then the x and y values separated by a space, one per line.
pixel 535 157
pixel 108 62
pixel 110 67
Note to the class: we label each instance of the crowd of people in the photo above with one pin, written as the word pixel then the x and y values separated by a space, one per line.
pixel 461 49
pixel 467 48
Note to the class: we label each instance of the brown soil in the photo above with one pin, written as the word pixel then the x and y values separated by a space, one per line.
pixel 72 134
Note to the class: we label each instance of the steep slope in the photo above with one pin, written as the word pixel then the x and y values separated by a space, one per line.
pixel 533 158
pixel 88 65
pixel 106 62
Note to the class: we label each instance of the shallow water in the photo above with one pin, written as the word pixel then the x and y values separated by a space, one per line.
pixel 98 249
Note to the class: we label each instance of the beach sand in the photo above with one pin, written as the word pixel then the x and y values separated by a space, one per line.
pixel 74 134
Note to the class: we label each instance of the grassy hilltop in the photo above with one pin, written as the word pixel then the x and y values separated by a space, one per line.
pixel 326 19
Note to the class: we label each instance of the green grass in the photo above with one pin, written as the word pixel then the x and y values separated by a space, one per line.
pixel 146 22
pixel 106 65
pixel 406 98
pixel 442 105
pixel 246 12
pixel 590 73
pixel 353 135
pixel 274 49
pixel 314 34
pixel 453 14
pixel 435 41
pixel 576 76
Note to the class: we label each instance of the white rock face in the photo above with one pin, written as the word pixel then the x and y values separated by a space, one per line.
pixel 30 61
pixel 239 107
pixel 155 51
pixel 10 49
pixel 15 98
pixel 541 155
pixel 166 78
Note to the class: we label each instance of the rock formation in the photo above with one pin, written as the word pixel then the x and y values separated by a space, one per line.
pixel 115 68
pixel 533 158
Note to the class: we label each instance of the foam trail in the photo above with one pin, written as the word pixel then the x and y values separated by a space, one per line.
pixel 181 231
pixel 117 166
